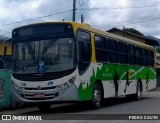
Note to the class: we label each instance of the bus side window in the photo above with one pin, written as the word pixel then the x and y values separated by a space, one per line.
pixel 101 52
pixel 139 57
pixel 122 49
pixel 151 58
pixel 112 51
pixel 131 54
pixel 84 50
pixel 145 57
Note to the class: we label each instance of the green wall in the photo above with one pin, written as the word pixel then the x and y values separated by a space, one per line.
pixel 5 89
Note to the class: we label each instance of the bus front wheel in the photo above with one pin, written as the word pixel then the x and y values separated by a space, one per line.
pixel 97 96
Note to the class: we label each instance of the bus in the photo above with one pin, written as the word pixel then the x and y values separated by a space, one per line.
pixel 8 50
pixel 55 62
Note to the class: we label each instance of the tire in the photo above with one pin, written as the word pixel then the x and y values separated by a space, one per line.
pixel 44 107
pixel 138 94
pixel 97 97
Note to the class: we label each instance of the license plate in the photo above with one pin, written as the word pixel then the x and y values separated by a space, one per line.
pixel 38 95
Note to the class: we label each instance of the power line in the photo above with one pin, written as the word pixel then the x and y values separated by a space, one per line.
pixel 140 21
pixel 128 21
pixel 118 7
pixel 36 18
pixel 77 9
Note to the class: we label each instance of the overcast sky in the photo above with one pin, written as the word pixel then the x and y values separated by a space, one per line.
pixel 143 15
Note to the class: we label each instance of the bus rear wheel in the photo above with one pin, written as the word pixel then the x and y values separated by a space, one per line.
pixel 137 96
pixel 97 97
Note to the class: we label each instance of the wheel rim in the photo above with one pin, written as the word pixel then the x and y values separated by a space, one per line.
pixel 97 97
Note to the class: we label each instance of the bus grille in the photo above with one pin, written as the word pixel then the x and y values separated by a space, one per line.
pixel 45 88
pixel 46 96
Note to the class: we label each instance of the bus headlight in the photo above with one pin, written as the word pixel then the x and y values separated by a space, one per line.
pixel 16 87
pixel 68 83
pixel 63 86
pixel 73 79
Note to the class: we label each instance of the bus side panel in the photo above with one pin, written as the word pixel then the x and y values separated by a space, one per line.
pixel 146 75
pixel 150 80
pixel 87 80
pixel 112 75
pixel 121 71
pixel 106 75
pixel 97 71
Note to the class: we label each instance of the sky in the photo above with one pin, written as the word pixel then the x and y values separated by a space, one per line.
pixel 142 15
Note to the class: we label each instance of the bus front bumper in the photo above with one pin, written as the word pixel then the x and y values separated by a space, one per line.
pixel 69 94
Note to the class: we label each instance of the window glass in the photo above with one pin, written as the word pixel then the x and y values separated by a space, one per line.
pixel 145 57
pixel 99 42
pixel 112 44
pixel 83 36
pixel 131 54
pixel 122 49
pixel 131 49
pixel 150 54
pixel 112 51
pixel 138 51
pixel 151 58
pixel 101 52
pixel 84 50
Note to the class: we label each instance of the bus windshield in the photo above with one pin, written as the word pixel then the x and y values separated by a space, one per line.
pixel 41 56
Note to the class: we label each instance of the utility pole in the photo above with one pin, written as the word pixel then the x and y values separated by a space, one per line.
pixel 123 30
pixel 74 10
pixel 82 18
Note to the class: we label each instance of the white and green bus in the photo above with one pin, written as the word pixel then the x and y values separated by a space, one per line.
pixel 68 62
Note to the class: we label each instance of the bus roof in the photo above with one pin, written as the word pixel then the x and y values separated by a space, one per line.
pixel 87 27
